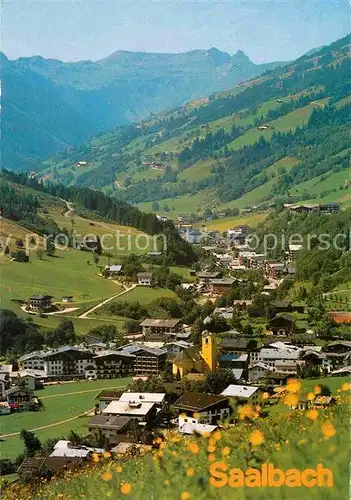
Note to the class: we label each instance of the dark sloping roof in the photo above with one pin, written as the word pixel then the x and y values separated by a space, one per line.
pixel 166 323
pixel 107 422
pixel 40 297
pixel 109 394
pixel 196 401
pixel 237 343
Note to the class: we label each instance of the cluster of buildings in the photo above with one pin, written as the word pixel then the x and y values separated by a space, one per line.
pixel 17 389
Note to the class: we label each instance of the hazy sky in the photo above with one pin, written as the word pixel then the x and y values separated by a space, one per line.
pixel 266 30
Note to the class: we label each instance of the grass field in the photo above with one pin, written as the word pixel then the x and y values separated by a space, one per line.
pixel 282 124
pixel 230 222
pixel 62 402
pixel 332 184
pixel 182 469
pixel 143 294
pixel 67 273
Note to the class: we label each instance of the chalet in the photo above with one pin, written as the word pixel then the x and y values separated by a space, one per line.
pixel 224 312
pixel 221 285
pixel 161 326
pixel 105 397
pixel 293 251
pixel 145 278
pixel 5 408
pixel 282 325
pixel 339 346
pixel 114 428
pixel 341 372
pixel 113 364
pixel 243 393
pixel 149 361
pixel 270 355
pixel 33 360
pixel 199 408
pixel 284 306
pixel 275 270
pixel 206 276
pixel 237 346
pixel 64 448
pixel 256 261
pixel 258 371
pixel 323 401
pixel 19 398
pixel 67 298
pixel 158 398
pixel 81 163
pixel 237 363
pixel 67 362
pixel 329 208
pixel 40 302
pixel 142 412
pixel 114 270
pixel 24 379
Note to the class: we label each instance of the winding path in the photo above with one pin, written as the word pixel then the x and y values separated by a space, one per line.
pixel 12 434
pixel 70 208
pixel 86 314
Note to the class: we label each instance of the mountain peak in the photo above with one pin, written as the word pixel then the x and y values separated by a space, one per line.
pixel 240 56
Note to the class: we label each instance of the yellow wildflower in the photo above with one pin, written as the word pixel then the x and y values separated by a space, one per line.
pixel 312 414
pixel 317 389
pixel 107 476
pixel 246 411
pixel 225 451
pixel 256 438
pixel 311 396
pixel 217 435
pixel 193 447
pixel 185 495
pixel 291 399
pixel 190 472
pixel 328 430
pixel 126 488
pixel 293 385
pixel 345 386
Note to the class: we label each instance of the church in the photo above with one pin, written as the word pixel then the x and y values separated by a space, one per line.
pixel 192 360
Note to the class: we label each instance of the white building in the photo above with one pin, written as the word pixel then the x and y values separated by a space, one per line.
pixel 243 393
pixel 33 361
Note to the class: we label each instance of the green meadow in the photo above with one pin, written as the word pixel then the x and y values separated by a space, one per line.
pixel 61 403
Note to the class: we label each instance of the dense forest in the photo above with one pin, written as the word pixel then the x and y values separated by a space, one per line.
pixel 325 258
pixel 20 207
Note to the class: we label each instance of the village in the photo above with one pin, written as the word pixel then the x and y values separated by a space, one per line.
pixel 184 378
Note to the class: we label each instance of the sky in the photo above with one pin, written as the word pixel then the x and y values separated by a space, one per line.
pixel 266 30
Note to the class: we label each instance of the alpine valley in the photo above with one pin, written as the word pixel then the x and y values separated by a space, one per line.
pixel 282 136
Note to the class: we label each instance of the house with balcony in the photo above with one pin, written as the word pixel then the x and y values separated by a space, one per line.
pixel 161 326
pixel 200 408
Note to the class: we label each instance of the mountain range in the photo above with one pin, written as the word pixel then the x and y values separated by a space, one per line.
pixel 49 105
pixel 280 137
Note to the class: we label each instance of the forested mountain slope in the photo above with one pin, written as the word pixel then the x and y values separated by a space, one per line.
pixel 49 105
pixel 283 136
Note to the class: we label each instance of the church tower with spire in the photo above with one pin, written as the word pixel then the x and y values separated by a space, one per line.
pixel 209 351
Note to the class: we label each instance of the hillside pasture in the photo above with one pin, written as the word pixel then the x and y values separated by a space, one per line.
pixel 61 403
